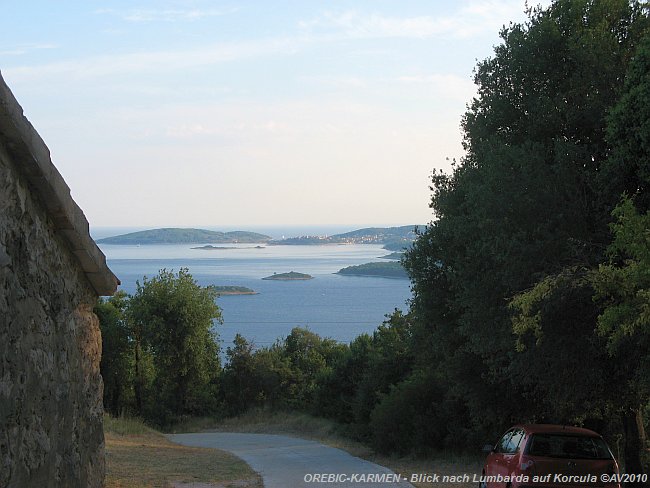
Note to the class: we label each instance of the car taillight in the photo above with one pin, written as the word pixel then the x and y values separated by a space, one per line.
pixel 528 467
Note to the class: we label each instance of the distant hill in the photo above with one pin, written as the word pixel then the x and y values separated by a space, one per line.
pixel 303 241
pixel 380 233
pixel 393 238
pixel 185 236
pixel 384 270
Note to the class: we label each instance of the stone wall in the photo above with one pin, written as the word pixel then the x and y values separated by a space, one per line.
pixel 51 273
pixel 50 346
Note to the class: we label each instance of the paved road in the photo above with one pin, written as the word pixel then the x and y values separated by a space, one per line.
pixel 289 462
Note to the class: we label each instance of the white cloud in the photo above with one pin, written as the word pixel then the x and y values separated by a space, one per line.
pixel 232 130
pixel 356 25
pixel 474 18
pixel 164 15
pixel 152 61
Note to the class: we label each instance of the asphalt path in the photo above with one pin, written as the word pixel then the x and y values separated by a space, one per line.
pixel 290 462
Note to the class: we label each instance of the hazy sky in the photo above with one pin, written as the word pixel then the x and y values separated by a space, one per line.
pixel 227 113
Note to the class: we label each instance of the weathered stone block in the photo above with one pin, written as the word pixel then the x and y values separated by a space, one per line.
pixel 50 344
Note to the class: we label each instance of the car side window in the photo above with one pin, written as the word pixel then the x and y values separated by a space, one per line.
pixel 514 441
pixel 502 445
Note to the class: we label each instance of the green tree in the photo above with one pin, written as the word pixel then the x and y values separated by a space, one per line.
pixel 117 353
pixel 623 287
pixel 354 382
pixel 625 317
pixel 525 203
pixel 174 316
pixel 309 358
pixel 387 361
pixel 617 288
pixel 409 417
pixel 338 386
pixel 253 378
pixel 627 170
pixel 239 386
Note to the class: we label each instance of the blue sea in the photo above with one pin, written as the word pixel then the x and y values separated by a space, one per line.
pixel 331 305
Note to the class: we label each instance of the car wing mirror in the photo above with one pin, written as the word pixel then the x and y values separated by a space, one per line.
pixel 488 448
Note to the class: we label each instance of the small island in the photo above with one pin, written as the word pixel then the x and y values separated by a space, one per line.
pixel 234 290
pixel 381 270
pixel 291 276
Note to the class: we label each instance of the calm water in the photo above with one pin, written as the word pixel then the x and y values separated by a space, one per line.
pixel 339 307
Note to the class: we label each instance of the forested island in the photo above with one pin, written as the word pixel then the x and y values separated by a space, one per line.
pixel 185 236
pixel 234 290
pixel 384 270
pixel 291 275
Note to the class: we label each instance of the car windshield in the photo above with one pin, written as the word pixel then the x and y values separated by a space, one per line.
pixel 568 446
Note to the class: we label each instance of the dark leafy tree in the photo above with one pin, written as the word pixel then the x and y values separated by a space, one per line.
pixel 617 286
pixel 338 386
pixel 627 170
pixel 309 357
pixel 254 378
pixel 409 417
pixel 239 385
pixel 526 203
pixel 117 353
pixel 175 318
pixel 388 362
pixel 623 287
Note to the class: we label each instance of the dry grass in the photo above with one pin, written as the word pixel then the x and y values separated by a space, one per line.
pixel 139 457
pixel 322 430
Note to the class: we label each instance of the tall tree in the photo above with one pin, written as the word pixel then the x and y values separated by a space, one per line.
pixel 175 315
pixel 619 284
pixel 627 169
pixel 117 353
pixel 623 286
pixel 526 202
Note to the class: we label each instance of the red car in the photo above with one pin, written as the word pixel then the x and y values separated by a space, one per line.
pixel 542 455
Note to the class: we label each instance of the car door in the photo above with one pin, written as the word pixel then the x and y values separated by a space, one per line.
pixel 511 454
pixel 497 463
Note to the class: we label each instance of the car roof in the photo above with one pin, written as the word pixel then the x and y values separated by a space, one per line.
pixel 556 429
